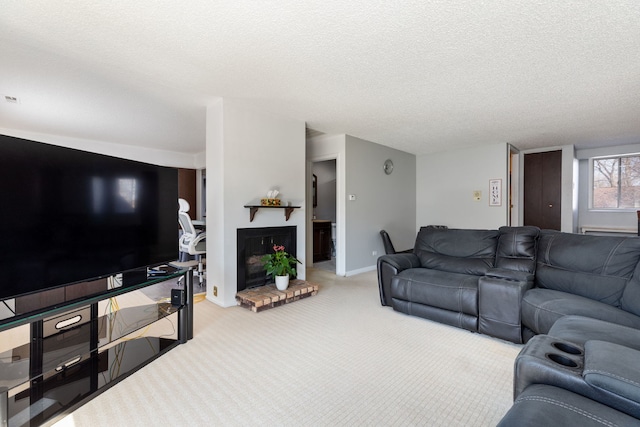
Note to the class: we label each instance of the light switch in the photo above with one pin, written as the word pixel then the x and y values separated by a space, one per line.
pixel 477 195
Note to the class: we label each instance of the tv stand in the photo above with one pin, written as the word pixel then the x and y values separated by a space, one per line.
pixel 73 353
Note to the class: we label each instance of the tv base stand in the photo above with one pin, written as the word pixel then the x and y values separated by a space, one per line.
pixel 74 353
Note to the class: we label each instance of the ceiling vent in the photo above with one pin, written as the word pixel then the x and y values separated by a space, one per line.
pixel 12 99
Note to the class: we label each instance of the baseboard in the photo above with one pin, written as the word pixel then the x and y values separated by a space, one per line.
pixel 360 270
pixel 219 302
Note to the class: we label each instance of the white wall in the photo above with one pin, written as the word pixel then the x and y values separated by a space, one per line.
pixel 446 182
pixel 249 152
pixel 200 160
pixel 382 202
pixel 141 154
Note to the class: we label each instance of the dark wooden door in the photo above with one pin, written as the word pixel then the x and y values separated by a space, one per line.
pixel 543 189
pixel 187 189
pixel 321 241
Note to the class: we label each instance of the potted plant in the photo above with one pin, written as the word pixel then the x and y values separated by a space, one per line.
pixel 280 265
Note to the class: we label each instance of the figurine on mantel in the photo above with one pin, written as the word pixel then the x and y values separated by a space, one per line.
pixel 271 199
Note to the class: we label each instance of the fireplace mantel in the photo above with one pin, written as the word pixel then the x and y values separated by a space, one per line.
pixel 253 209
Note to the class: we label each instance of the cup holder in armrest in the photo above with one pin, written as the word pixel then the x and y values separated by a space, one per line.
pixel 562 360
pixel 567 348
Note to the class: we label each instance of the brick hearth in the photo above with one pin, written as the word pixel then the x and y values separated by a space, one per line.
pixel 268 296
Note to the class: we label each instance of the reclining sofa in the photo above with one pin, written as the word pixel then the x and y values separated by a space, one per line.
pixel 584 371
pixel 573 299
pixel 515 282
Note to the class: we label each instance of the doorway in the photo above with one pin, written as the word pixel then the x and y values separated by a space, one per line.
pixel 543 189
pixel 513 195
pixel 324 217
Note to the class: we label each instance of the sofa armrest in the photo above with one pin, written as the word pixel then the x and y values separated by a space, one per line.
pixel 500 295
pixel 503 273
pixel 389 266
pixel 612 368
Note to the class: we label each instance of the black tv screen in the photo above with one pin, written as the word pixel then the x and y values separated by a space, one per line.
pixel 70 216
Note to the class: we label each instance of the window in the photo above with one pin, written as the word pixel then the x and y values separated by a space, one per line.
pixel 616 182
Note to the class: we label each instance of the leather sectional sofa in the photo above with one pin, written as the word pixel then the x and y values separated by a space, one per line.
pixel 573 299
pixel 584 372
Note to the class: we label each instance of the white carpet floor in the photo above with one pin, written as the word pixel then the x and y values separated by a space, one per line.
pixel 335 359
pixel 326 265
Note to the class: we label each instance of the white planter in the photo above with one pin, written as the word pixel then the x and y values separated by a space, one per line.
pixel 282 282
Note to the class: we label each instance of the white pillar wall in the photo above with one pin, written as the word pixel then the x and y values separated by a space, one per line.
pixel 249 152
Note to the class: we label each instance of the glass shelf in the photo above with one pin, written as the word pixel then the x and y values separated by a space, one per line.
pixel 75 345
pixel 48 311
pixel 51 371
pixel 52 396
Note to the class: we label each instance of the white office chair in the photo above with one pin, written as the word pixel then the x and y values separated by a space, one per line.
pixel 191 241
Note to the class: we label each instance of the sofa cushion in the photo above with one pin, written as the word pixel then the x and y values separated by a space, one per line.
pixel 449 291
pixel 456 250
pixel 630 300
pixel 546 405
pixel 612 368
pixel 595 267
pixel 542 307
pixel 440 315
pixel 580 329
pixel 517 248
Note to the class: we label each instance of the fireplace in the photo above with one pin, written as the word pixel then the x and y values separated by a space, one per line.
pixel 253 244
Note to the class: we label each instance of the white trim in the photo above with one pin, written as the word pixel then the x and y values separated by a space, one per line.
pixel 360 270
pixel 588 153
pixel 219 302
pixel 590 181
pixel 605 229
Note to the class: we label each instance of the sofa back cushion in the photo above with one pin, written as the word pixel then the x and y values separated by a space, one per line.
pixel 596 267
pixel 517 248
pixel 631 296
pixel 456 250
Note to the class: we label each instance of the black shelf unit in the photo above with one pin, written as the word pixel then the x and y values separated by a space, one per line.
pixel 63 367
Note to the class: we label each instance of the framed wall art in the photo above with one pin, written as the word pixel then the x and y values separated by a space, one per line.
pixel 495 192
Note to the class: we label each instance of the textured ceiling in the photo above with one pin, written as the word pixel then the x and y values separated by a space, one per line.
pixel 420 76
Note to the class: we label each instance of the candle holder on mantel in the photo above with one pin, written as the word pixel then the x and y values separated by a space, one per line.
pixel 254 207
pixel 270 202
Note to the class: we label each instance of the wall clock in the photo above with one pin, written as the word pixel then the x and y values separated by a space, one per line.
pixel 388 166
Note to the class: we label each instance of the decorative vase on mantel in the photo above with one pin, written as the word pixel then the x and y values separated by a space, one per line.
pixel 282 282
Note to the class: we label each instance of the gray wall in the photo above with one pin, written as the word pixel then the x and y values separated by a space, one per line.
pixel 325 171
pixel 382 202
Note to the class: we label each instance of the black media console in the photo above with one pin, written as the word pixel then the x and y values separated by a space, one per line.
pixel 73 353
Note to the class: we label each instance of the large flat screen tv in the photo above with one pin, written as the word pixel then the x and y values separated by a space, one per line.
pixel 69 216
